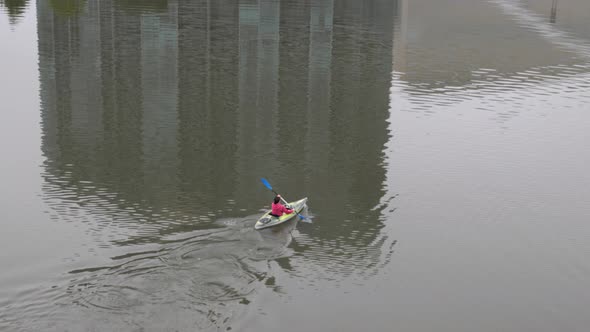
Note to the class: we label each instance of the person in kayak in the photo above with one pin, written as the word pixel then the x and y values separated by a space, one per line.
pixel 278 209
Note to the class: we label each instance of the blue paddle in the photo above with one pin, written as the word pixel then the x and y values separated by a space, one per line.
pixel 267 185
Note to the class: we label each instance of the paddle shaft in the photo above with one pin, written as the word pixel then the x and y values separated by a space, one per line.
pixel 267 185
pixel 282 199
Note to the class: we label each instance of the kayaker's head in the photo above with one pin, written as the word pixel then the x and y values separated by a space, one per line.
pixel 277 199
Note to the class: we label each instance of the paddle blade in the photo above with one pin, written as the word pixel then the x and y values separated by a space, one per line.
pixel 266 184
pixel 304 219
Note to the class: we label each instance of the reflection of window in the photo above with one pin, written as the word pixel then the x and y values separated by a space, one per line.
pixel 248 14
pixel 321 18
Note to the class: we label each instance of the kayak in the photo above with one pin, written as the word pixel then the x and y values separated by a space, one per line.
pixel 268 220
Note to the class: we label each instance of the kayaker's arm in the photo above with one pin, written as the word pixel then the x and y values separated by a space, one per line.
pixel 287 210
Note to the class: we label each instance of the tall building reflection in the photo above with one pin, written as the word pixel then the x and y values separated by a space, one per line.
pixel 182 105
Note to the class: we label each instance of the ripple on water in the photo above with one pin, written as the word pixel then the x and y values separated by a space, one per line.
pixel 506 95
pixel 208 275
pixel 197 266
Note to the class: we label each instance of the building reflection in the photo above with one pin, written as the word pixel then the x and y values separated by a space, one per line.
pixel 180 106
pixel 441 45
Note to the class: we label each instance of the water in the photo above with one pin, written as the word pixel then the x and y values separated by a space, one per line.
pixel 442 145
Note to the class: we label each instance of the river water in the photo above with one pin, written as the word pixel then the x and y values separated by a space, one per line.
pixel 443 147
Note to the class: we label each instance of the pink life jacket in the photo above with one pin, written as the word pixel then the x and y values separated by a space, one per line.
pixel 278 209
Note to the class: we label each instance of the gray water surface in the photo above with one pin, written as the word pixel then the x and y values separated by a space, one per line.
pixel 443 146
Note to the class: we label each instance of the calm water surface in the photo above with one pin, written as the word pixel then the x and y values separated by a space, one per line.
pixel 443 146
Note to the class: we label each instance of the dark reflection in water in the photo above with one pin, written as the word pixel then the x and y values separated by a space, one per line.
pixel 14 9
pixel 183 107
pixel 159 118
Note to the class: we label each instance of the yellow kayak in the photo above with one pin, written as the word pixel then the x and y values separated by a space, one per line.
pixel 268 220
